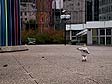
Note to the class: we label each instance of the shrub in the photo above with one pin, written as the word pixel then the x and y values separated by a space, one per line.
pixel 47 37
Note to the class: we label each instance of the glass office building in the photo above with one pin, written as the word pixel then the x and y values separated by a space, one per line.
pixel 105 10
pixel 99 33
pixel 102 36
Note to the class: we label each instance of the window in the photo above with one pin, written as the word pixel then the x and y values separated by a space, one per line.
pixel 109 17
pixel 104 17
pixel 25 13
pixel 94 32
pixel 100 17
pixel 111 8
pixel 102 40
pixel 95 40
pixel 25 19
pixel 75 32
pixel 108 40
pixel 108 31
pixel 78 4
pixel 102 31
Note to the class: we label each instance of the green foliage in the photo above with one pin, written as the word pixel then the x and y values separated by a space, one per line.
pixel 49 37
pixel 31 21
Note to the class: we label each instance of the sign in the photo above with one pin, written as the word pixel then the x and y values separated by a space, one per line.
pixel 65 16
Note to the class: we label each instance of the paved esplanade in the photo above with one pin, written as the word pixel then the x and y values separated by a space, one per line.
pixel 56 64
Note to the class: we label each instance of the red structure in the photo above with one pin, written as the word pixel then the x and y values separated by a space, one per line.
pixel 44 14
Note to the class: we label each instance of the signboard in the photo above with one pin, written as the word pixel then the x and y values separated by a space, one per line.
pixel 65 17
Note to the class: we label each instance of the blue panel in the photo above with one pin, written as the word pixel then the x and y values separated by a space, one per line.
pixel 19 24
pixel 3 31
pixel 13 28
pixel 9 24
pixel 6 24
pixel 15 22
pixel 10 31
pixel 0 23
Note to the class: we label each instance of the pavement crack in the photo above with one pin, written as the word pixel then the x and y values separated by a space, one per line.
pixel 25 69
pixel 93 80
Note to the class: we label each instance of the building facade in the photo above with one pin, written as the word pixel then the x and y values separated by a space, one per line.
pixel 28 10
pixel 96 32
pixel 99 33
pixel 44 14
pixel 57 8
pixel 95 10
pixel 10 31
pixel 105 10
pixel 76 8
pixel 88 10
pixel 28 14
pixel 92 10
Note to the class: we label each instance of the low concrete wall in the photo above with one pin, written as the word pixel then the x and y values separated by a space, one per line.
pixel 13 48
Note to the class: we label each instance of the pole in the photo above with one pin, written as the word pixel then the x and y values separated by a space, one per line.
pixel 6 23
pixel 70 28
pixel 65 32
pixel 20 24
pixel 0 23
pixel 54 13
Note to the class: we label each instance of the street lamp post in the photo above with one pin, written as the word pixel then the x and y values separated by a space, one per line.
pixel 65 17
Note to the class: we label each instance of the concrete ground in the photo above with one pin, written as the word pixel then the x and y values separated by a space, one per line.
pixel 56 64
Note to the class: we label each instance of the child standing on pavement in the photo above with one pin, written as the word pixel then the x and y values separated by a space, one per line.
pixel 84 51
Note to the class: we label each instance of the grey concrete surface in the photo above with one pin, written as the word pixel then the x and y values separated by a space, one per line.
pixel 4 49
pixel 56 64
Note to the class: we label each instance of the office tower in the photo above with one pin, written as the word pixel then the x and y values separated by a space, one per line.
pixel 28 10
pixel 88 10
pixel 76 8
pixel 105 10
pixel 92 10
pixel 28 14
pixel 95 10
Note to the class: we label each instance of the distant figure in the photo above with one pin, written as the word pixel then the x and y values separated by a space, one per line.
pixel 84 51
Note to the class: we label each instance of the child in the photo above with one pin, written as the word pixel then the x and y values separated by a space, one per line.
pixel 84 50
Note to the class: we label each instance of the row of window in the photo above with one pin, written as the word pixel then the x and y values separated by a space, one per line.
pixel 106 17
pixel 100 39
pixel 104 2
pixel 101 32
pixel 105 9
pixel 27 13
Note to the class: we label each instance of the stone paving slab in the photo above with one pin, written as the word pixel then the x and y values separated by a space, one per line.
pixel 13 73
pixel 56 64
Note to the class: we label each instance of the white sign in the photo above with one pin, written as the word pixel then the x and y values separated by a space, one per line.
pixel 65 16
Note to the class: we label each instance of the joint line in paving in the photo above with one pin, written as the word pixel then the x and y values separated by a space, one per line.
pixel 93 80
pixel 24 69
